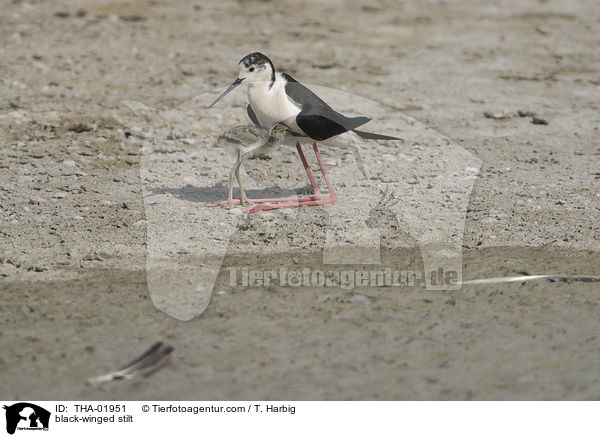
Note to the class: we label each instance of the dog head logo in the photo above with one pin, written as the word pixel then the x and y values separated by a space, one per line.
pixel 26 416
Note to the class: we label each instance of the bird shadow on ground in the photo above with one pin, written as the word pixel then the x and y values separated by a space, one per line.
pixel 219 192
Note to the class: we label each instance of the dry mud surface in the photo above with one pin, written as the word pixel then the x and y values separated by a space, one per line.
pixel 81 177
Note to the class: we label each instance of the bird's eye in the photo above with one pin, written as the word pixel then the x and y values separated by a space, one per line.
pixel 251 69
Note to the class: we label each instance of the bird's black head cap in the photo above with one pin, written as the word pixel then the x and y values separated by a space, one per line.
pixel 256 58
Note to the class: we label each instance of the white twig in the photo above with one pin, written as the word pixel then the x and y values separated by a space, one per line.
pixel 553 278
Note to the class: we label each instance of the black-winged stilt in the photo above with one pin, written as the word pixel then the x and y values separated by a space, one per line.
pixel 276 97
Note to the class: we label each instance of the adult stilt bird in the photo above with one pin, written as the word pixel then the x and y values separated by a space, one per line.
pixel 276 97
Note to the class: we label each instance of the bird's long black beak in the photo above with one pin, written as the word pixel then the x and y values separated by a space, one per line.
pixel 227 91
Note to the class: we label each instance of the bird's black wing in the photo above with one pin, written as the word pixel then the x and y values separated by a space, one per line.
pixel 318 127
pixel 317 119
pixel 252 115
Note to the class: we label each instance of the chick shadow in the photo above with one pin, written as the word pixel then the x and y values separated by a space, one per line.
pixel 219 192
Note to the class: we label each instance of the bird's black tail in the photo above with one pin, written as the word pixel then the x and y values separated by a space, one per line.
pixel 370 136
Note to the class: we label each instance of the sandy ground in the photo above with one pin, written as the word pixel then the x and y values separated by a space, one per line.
pixel 77 225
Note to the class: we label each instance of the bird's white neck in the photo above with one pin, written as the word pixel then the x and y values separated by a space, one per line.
pixel 260 86
pixel 271 104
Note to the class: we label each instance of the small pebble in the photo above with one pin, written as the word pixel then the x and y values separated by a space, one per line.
pixel 498 115
pixel 221 293
pixel 79 128
pixel 525 114
pixel 358 299
pixel 132 17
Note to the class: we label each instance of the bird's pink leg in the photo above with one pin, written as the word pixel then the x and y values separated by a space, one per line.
pixel 332 195
pixel 315 196
pixel 316 191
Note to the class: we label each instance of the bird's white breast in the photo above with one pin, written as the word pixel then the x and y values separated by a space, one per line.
pixel 271 105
